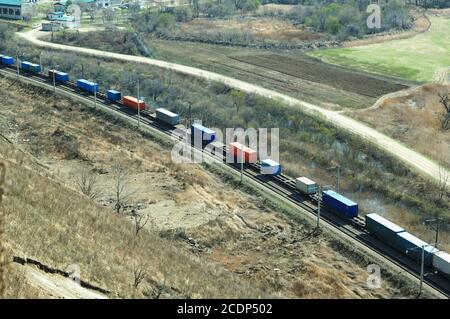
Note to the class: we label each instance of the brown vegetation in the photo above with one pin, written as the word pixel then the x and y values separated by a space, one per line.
pixel 193 233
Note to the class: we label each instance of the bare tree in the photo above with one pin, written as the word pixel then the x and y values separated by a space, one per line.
pixel 140 221
pixel 444 177
pixel 139 274
pixel 87 183
pixel 121 182
pixel 445 101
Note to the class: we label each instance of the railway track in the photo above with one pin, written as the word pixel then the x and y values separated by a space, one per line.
pixel 282 185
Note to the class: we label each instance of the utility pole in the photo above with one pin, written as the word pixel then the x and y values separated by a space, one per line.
pixel 338 177
pixel 190 114
pixel 319 201
pixel 54 82
pixel 95 96
pixel 421 269
pixel 242 163
pixel 422 266
pixel 18 68
pixel 139 104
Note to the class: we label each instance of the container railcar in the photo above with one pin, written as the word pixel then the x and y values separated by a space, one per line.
pixel 340 204
pixel 239 151
pixel 305 185
pixel 58 76
pixel 30 67
pixel 167 117
pixel 6 60
pixel 441 262
pixel 88 86
pixel 383 229
pixel 202 134
pixel 270 167
pixel 113 95
pixel 133 103
pixel 412 247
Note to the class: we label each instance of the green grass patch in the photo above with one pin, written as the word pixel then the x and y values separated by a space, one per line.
pixel 416 58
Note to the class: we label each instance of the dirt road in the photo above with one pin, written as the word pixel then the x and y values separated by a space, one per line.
pixel 58 286
pixel 413 159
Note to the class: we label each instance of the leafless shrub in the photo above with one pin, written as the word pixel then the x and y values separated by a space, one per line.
pixel 140 221
pixel 444 177
pixel 88 184
pixel 121 183
pixel 445 101
pixel 139 274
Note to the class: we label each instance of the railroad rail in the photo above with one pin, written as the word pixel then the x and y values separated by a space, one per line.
pixel 282 185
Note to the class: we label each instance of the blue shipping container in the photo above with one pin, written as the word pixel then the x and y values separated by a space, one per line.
pixel 199 132
pixel 61 77
pixel 35 68
pixel 30 67
pixel 114 95
pixel 382 228
pixel 87 86
pixel 412 247
pixel 7 60
pixel 25 65
pixel 340 204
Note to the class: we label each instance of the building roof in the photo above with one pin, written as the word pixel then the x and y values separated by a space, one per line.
pixel 16 3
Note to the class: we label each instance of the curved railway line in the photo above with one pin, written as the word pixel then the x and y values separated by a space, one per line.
pixel 281 185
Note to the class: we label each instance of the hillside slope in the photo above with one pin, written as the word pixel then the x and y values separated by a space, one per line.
pixel 203 238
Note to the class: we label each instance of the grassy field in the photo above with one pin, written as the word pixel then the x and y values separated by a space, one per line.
pixel 417 58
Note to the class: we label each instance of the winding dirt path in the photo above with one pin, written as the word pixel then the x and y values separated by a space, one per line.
pixel 413 159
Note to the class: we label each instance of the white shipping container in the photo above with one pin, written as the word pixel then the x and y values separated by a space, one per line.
pixel 441 261
pixel 167 117
pixel 305 185
pixel 270 167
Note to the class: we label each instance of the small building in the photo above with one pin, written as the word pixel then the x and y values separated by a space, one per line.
pixel 55 15
pixel 11 9
pixel 68 22
pixel 50 26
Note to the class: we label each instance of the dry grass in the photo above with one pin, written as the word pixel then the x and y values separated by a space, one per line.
pixel 2 223
pixel 236 256
pixel 261 28
pixel 413 116
pixel 59 227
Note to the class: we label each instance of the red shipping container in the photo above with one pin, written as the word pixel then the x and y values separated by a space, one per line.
pixel 133 103
pixel 237 149
pixel 51 73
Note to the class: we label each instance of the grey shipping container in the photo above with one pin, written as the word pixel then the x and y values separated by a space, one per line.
pixel 383 229
pixel 167 117
pixel 305 185
pixel 409 243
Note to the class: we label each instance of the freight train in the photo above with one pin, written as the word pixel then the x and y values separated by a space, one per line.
pixel 381 228
pixel 406 243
